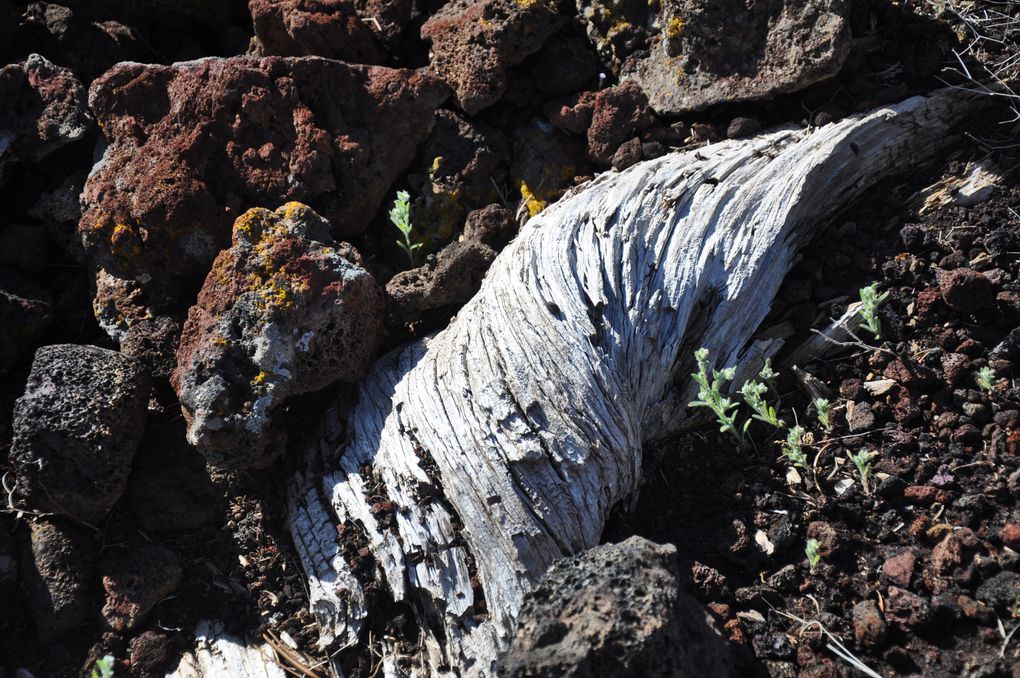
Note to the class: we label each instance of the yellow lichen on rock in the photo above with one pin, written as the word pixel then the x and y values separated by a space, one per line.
pixel 532 203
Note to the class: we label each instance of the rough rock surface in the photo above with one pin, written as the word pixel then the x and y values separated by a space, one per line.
pixel 25 310
pixel 76 429
pixel 154 342
pixel 56 574
pixel 134 580
pixel 473 44
pixel 449 281
pixel 170 488
pixel 285 310
pixel 42 107
pixel 192 145
pixel 616 610
pixel 545 163
pixel 492 225
pixel 722 51
pixel 327 28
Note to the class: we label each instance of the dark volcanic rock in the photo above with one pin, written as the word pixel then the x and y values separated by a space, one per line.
pixel 285 310
pixel 8 563
pixel 545 164
pixel 135 579
pixel 616 610
pixel 56 571
pixel 869 627
pixel 170 488
pixel 154 342
pixel 193 145
pixel 450 281
pixel 1001 591
pixel 76 429
pixel 722 51
pixel 327 28
pixel 42 107
pixel 609 117
pixel 25 311
pixel 964 289
pixel 492 225
pixel 475 41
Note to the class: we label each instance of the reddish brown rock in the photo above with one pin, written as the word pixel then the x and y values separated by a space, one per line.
pixel 954 367
pixel 908 610
pixel 42 107
pixel 828 538
pixel 925 495
pixel 135 579
pixel 1011 535
pixel 964 289
pixel 869 627
pixel 900 568
pixel 445 283
pixel 492 225
pixel 192 145
pixel 474 42
pixel 947 554
pixel 285 310
pixel 908 374
pixel 327 28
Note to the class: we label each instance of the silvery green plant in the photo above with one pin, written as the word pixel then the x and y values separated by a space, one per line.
pixel 871 301
pixel 813 551
pixel 711 383
pixel 400 215
pixel 862 460
pixel 822 408
pixel 793 449
pixel 985 378
pixel 104 667
pixel 754 392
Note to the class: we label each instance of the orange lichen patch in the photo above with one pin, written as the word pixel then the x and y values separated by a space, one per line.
pixel 259 378
pixel 124 241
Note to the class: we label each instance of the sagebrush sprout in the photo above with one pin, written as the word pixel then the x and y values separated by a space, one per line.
pixel 104 667
pixel 871 301
pixel 711 383
pixel 862 460
pixel 985 378
pixel 822 409
pixel 813 551
pixel 400 215
pixel 792 448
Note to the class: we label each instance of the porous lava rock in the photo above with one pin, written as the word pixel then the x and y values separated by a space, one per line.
pixel 327 28
pixel 191 146
pixel 42 107
pixel 134 580
pixel 546 161
pixel 76 429
pixel 56 574
pixel 475 41
pixel 447 282
pixel 285 310
pixel 608 118
pixel 709 52
pixel 616 610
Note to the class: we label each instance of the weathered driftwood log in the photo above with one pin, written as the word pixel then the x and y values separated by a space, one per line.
pixel 476 458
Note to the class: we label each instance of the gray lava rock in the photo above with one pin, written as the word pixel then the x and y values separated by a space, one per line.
pixel 1000 591
pixel 616 610
pixel 56 572
pixel 710 52
pixel 76 429
pixel 135 579
pixel 285 310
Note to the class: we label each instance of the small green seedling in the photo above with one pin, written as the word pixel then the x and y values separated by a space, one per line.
pixel 710 394
pixel 862 460
pixel 768 375
pixel 986 378
pixel 822 408
pixel 871 300
pixel 792 448
pixel 400 215
pixel 104 667
pixel 754 392
pixel 813 551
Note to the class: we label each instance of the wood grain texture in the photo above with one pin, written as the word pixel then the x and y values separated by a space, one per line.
pixel 481 455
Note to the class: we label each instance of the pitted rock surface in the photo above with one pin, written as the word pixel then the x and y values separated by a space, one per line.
pixel 328 28
pixel 76 429
pixel 473 44
pixel 42 107
pixel 193 145
pixel 285 310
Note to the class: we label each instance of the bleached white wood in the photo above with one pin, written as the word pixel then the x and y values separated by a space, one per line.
pixel 532 406
pixel 217 655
